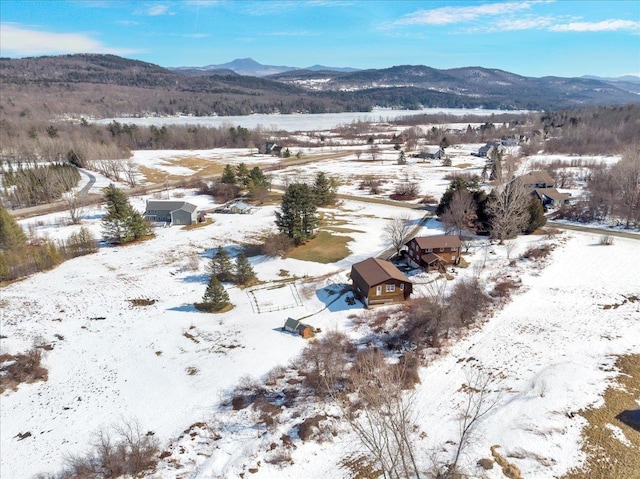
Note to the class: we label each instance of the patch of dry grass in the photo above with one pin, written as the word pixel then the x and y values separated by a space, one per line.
pixel 463 165
pixel 324 248
pixel 21 368
pixel 193 226
pixel 153 175
pixel 608 456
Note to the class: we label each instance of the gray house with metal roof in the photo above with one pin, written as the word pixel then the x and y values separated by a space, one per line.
pixel 174 212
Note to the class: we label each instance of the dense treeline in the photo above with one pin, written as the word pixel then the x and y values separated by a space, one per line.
pixel 600 130
pixel 21 257
pixel 37 184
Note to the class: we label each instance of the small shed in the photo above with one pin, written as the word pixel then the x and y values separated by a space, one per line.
pixel 239 207
pixel 297 327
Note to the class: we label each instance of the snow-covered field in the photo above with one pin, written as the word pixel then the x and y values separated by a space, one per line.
pixel 168 366
pixel 299 121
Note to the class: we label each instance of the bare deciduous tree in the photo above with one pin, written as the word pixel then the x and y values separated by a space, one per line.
pixel 75 206
pixel 461 214
pixel 508 209
pixel 626 177
pixel 397 230
pixel 384 421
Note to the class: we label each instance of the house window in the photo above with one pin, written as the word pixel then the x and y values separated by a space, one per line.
pixel 378 290
pixel 454 248
pixel 441 250
pixel 402 286
pixel 428 250
pixel 390 288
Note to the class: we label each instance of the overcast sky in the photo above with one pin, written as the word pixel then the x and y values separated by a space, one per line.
pixel 532 38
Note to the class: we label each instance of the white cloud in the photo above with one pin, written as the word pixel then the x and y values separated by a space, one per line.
pixel 602 26
pixel 449 15
pixel 17 41
pixel 158 10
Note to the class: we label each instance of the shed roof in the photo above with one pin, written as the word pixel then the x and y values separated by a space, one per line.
pixel 437 241
pixel 375 271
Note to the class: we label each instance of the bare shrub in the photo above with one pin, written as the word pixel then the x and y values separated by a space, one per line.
pixel 122 450
pixel 606 240
pixel 21 368
pixel 277 244
pixel 269 412
pixel 280 457
pixel 372 184
pixel 310 426
pixel 538 252
pixel 405 191
pixel 467 300
pixel 325 363
pixel 425 320
pixel 503 289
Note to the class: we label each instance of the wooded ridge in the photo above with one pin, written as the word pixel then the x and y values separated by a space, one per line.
pixel 101 86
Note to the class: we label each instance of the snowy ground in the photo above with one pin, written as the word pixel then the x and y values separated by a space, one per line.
pixel 168 365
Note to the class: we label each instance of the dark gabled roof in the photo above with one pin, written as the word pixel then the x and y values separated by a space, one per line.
pixel 552 193
pixel 438 241
pixel 374 271
pixel 535 177
pixel 430 258
pixel 170 205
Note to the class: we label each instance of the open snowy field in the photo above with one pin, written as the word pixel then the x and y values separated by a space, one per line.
pixel 125 342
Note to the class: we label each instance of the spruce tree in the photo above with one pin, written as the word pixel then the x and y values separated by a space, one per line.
pixel 122 223
pixel 228 175
pixel 244 271
pixel 537 218
pixel 215 297
pixel 11 234
pixel 242 174
pixel 402 160
pixel 298 216
pixel 324 190
pixel 257 180
pixel 221 266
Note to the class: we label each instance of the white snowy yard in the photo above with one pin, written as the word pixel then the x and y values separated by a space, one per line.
pixel 168 366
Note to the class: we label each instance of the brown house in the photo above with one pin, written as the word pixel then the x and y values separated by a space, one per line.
pixel 376 281
pixel 432 251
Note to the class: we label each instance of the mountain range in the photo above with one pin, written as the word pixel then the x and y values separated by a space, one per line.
pixel 108 85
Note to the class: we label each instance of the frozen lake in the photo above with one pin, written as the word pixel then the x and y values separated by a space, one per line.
pixel 298 121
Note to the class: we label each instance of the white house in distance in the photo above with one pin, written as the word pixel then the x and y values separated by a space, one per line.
pixel 174 212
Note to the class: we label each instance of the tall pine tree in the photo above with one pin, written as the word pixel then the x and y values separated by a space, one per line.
pixel 122 223
pixel 215 297
pixel 324 190
pixel 11 234
pixel 221 266
pixel 298 216
pixel 228 175
pixel 244 271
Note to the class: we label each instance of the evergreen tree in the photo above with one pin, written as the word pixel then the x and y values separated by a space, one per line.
pixel 256 180
pixel 228 175
pixel 298 216
pixel 244 271
pixel 221 266
pixel 242 174
pixel 537 219
pixel 402 160
pixel 324 190
pixel 122 223
pixel 11 234
pixel 215 297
